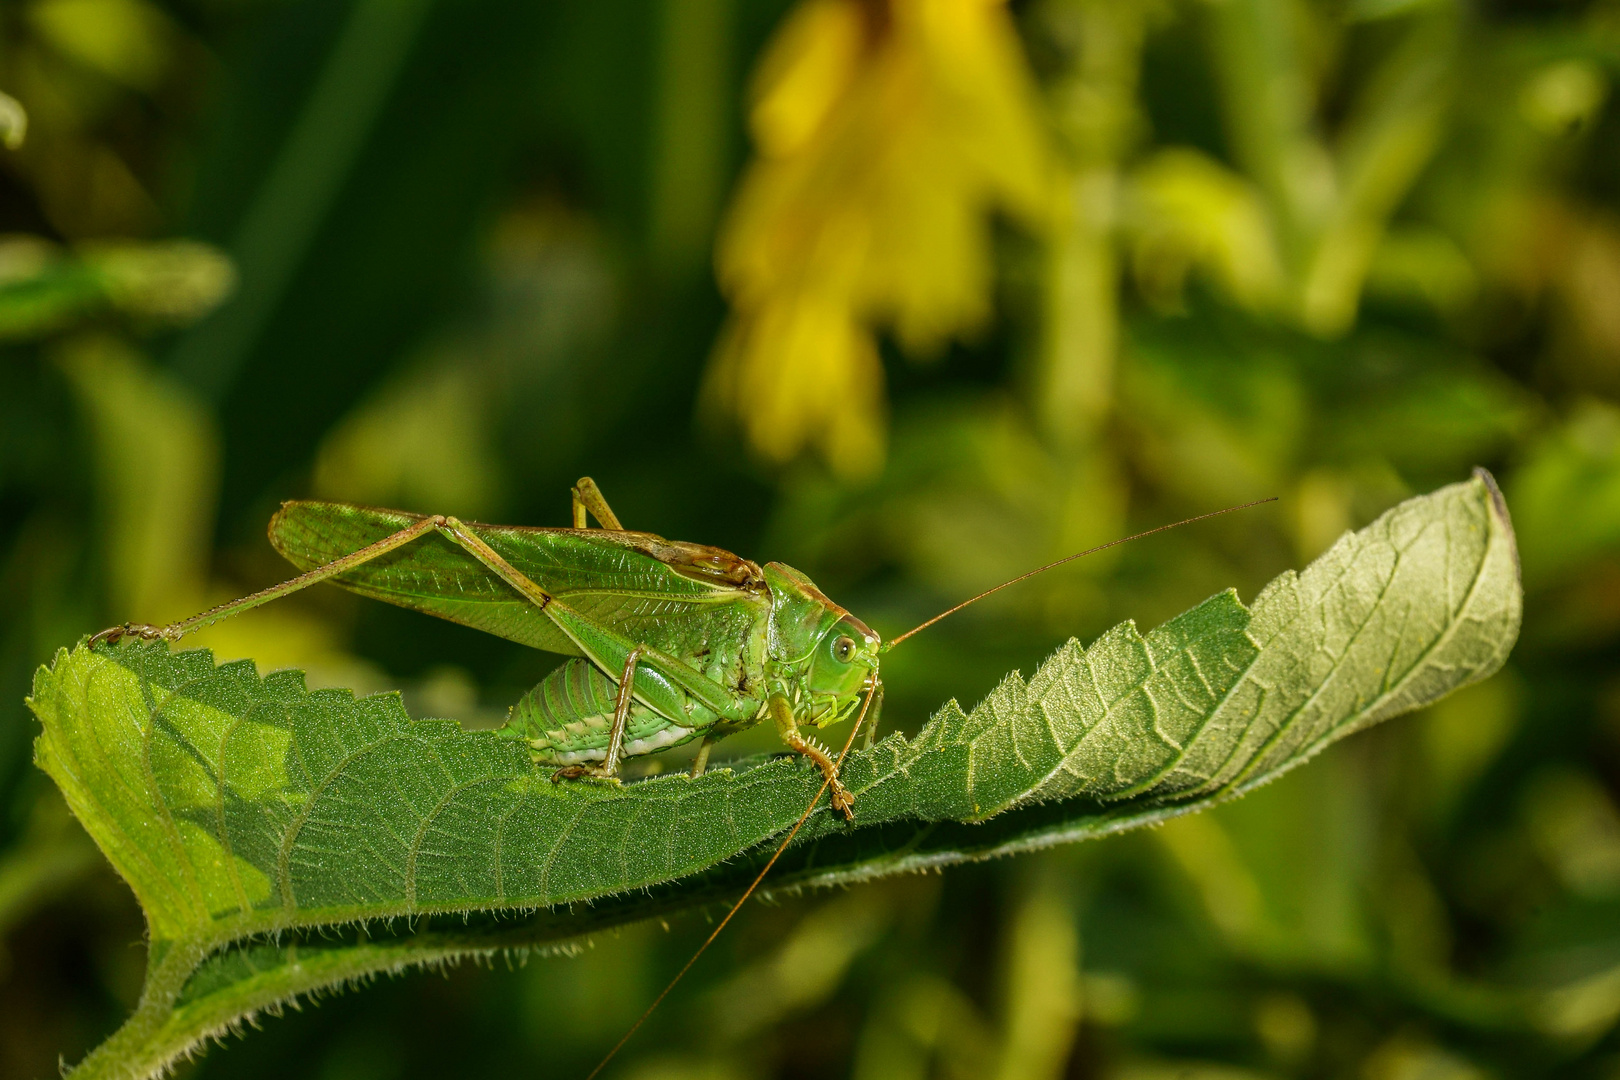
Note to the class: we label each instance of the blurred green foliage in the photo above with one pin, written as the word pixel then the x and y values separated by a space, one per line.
pixel 457 255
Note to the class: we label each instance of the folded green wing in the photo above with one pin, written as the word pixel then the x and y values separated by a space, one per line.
pixel 648 588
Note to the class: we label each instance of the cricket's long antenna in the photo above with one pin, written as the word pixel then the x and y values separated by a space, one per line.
pixel 743 899
pixel 859 721
pixel 1068 558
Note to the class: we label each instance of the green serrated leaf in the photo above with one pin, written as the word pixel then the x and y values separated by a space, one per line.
pixel 236 805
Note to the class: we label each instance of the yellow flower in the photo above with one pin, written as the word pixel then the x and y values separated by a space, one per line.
pixel 886 130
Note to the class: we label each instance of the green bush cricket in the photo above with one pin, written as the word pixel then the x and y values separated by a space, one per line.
pixel 669 642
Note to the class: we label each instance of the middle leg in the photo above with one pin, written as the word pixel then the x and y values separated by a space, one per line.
pixel 701 762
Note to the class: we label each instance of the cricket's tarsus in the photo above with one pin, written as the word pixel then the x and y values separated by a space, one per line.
pixel 671 642
pixel 144 631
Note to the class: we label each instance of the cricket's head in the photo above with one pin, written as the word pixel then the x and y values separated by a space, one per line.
pixel 832 655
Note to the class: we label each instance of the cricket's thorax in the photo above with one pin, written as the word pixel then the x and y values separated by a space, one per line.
pixel 801 615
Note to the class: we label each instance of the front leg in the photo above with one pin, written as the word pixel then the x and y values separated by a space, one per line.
pixel 788 728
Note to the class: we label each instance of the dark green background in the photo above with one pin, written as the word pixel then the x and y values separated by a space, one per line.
pixel 477 200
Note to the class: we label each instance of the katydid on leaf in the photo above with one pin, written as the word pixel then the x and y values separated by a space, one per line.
pixel 669 642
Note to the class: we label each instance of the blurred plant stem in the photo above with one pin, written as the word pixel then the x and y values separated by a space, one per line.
pixel 1269 98
pixel 692 130
pixel 1043 984
pixel 310 169
pixel 1330 203
pixel 1389 137
pixel 925 1019
pixel 1094 106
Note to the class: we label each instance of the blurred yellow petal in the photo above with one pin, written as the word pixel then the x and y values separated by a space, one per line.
pixel 806 68
pixel 800 375
pixel 886 134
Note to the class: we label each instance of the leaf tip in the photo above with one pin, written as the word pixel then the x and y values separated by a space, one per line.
pixel 1499 511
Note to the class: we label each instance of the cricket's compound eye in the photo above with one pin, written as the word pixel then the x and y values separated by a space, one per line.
pixel 843 649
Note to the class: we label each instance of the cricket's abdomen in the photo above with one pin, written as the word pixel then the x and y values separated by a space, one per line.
pixel 566 719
